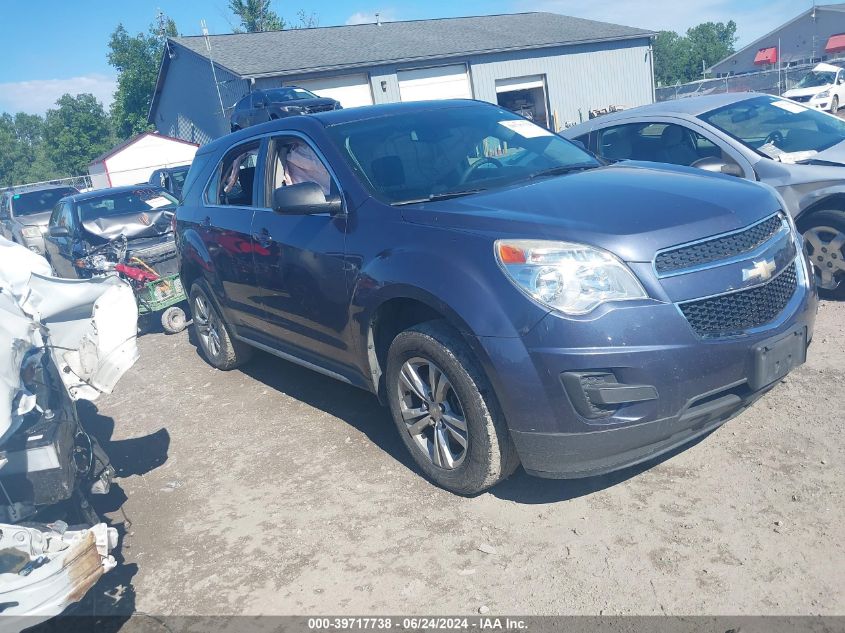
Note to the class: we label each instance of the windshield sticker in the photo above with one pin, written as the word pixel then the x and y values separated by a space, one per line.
pixel 157 202
pixel 771 150
pixel 789 106
pixel 525 129
pixel 796 157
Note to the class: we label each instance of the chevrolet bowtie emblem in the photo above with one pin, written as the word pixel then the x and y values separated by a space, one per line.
pixel 761 271
pixel 145 219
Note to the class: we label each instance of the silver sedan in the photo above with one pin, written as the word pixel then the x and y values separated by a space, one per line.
pixel 797 150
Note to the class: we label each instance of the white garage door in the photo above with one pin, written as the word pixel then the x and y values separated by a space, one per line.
pixel 442 82
pixel 351 90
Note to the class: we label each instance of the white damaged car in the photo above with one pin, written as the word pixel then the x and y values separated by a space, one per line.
pixel 61 341
pixel 822 88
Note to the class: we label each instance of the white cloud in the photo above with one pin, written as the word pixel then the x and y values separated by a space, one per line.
pixel 365 17
pixel 753 20
pixel 39 95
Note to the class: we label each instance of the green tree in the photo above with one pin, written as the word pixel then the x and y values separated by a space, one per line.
pixel 678 58
pixel 136 59
pixel 23 158
pixel 75 133
pixel 255 16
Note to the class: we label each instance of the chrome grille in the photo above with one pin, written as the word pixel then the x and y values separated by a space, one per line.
pixel 722 247
pixel 744 310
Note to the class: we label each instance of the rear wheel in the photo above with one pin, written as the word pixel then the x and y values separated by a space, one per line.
pixel 445 410
pixel 824 243
pixel 215 340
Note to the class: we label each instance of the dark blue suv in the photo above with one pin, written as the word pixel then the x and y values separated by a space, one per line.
pixel 512 299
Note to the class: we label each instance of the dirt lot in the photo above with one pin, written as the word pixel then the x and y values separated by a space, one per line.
pixel 274 490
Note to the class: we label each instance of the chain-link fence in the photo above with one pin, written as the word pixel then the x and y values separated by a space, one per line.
pixel 774 82
pixel 80 182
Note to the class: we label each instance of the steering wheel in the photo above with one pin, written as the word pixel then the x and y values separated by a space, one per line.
pixel 775 138
pixel 487 160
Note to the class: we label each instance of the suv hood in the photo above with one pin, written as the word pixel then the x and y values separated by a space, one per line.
pixel 35 219
pixel 630 209
pixel 305 103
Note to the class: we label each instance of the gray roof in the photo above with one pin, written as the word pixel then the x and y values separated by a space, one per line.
pixel 338 47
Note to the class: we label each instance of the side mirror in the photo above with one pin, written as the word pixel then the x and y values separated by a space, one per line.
pixel 304 198
pixel 59 231
pixel 719 166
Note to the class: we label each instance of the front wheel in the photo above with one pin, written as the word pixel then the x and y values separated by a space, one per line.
pixel 834 104
pixel 445 410
pixel 218 346
pixel 824 243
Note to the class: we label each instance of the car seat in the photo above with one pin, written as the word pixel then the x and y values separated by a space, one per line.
pixel 676 147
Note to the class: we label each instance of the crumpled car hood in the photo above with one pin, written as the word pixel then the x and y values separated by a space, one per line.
pixel 146 224
pixel 88 326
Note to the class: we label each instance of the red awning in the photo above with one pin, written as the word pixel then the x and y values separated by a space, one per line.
pixel 766 56
pixel 835 44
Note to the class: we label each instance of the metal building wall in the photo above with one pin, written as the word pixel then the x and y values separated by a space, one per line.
pixel 798 39
pixel 188 106
pixel 578 78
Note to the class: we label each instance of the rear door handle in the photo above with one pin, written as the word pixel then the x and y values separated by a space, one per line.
pixel 263 237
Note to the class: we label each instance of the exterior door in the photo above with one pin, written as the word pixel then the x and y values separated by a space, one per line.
pixel 59 250
pixel 225 225
pixel 299 260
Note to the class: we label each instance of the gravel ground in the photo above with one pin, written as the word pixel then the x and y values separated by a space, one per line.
pixel 275 490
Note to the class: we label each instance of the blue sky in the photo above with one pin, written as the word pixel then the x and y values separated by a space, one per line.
pixel 62 48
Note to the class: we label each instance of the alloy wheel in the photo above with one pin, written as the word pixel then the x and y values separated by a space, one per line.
pixel 432 412
pixel 207 325
pixel 825 247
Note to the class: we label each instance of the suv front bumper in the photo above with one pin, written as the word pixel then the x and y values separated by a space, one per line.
pixel 674 386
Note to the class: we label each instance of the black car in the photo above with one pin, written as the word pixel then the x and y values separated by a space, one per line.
pixel 261 106
pixel 509 296
pixel 170 178
pixel 86 229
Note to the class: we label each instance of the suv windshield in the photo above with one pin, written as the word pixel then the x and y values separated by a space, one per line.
pixel 816 78
pixel 41 201
pixel 135 201
pixel 288 94
pixel 778 128
pixel 446 152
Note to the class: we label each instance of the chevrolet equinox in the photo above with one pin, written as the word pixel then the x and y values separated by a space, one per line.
pixel 511 298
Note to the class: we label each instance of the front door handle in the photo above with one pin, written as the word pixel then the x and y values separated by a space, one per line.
pixel 206 222
pixel 263 237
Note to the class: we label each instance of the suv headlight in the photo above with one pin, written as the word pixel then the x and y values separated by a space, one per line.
pixel 31 231
pixel 571 278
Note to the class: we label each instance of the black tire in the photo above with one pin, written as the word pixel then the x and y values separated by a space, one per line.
pixel 489 454
pixel 173 320
pixel 820 227
pixel 834 104
pixel 225 352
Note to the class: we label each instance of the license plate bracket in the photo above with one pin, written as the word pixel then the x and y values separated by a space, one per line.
pixel 776 357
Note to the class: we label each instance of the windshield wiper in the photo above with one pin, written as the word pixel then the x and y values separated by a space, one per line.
pixel 446 195
pixel 561 169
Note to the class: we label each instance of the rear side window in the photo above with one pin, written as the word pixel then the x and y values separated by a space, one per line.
pixel 234 180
